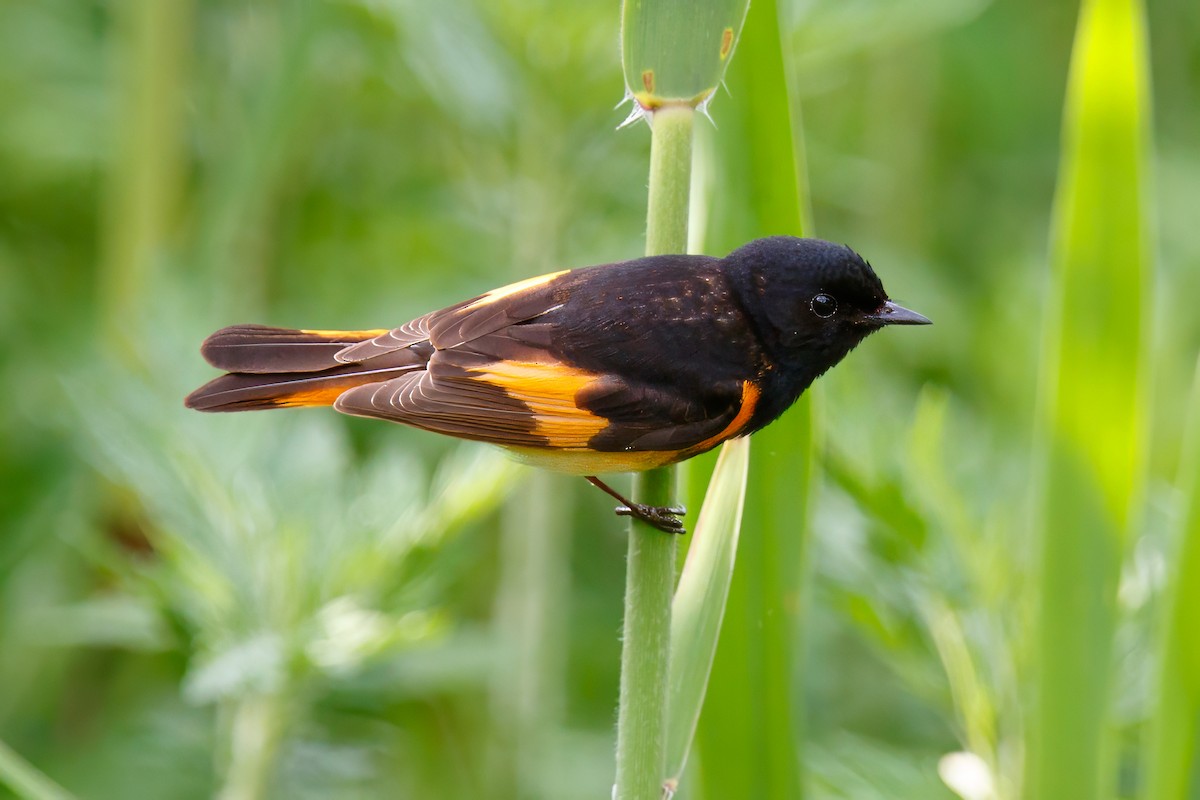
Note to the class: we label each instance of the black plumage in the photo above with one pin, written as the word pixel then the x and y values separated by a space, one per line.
pixel 614 367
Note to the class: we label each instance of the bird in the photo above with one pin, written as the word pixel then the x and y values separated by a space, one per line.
pixel 617 367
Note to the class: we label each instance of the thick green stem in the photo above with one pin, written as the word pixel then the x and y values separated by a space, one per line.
pixel 670 180
pixel 642 718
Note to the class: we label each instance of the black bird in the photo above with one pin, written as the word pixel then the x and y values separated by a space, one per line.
pixel 612 368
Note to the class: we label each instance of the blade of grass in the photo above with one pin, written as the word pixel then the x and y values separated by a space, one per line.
pixel 699 604
pixel 1173 741
pixel 1093 399
pixel 748 736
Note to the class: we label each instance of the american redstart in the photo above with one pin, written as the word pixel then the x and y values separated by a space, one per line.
pixel 612 368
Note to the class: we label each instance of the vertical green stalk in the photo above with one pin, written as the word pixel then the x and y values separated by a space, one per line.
pixel 642 716
pixel 670 180
pixel 148 163
pixel 1093 400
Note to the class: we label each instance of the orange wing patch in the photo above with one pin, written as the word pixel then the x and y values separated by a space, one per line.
pixel 549 391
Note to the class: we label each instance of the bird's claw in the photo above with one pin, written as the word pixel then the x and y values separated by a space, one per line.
pixel 666 519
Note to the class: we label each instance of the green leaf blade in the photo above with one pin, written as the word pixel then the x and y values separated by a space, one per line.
pixel 749 734
pixel 699 604
pixel 1093 404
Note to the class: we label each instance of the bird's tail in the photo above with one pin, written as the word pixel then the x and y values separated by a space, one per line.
pixel 280 368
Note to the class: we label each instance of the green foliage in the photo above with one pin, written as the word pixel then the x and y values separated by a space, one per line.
pixel 340 592
pixel 1094 397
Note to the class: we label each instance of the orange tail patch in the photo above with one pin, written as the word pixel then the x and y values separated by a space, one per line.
pixel 241 392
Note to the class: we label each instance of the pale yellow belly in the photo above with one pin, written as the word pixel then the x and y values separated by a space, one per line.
pixel 591 462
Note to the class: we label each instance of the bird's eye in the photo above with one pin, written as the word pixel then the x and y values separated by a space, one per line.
pixel 824 305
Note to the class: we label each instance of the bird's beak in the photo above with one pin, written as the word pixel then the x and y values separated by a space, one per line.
pixel 891 314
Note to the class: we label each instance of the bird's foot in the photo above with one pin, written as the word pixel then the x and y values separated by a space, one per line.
pixel 665 518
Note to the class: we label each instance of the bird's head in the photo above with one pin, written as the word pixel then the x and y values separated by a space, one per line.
pixel 812 301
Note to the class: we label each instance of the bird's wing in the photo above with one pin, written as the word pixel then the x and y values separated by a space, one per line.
pixel 534 400
pixel 465 321
pixel 595 359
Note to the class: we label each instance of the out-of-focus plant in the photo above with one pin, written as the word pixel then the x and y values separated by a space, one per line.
pixel 362 161
pixel 961 568
pixel 1094 396
pixel 1174 729
pixel 286 567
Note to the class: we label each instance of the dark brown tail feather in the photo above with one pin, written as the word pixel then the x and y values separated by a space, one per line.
pixel 260 349
pixel 278 368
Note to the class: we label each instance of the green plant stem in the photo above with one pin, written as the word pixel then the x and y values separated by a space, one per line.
pixel 148 163
pixel 670 181
pixel 25 780
pixel 642 716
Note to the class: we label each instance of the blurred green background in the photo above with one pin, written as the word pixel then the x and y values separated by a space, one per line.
pixel 303 605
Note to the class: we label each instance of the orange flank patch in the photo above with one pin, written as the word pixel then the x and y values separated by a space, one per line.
pixel 347 336
pixel 514 288
pixel 750 395
pixel 549 391
pixel 313 397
